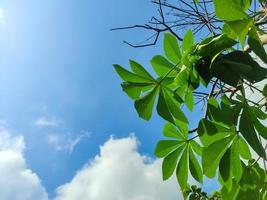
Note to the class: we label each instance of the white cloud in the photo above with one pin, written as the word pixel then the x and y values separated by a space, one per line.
pixel 66 142
pixel 45 122
pixel 17 182
pixel 120 173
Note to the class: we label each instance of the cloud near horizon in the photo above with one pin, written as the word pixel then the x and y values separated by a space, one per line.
pixel 119 172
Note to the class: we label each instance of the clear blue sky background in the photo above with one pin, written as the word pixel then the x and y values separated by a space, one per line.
pixel 56 61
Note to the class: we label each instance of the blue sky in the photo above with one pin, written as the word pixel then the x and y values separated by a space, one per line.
pixel 57 84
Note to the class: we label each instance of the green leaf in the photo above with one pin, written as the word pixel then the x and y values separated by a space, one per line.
pixel 230 195
pixel 182 77
pixel 182 170
pixel 129 76
pixel 209 132
pixel 196 147
pixel 215 45
pixel 246 128
pixel 168 107
pixel 265 90
pixel 171 48
pixel 170 162
pixel 212 155
pixel 133 90
pixel 140 70
pixel 144 105
pixel 162 66
pixel 171 131
pixel 189 100
pixel 241 28
pixel 256 45
pixel 261 129
pixel 194 167
pixel 230 68
pixel 243 149
pixel 235 162
pixel 188 41
pixel 229 10
pixel 164 147
pixel 225 169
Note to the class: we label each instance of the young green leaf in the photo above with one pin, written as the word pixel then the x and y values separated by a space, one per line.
pixel 235 162
pixel 144 105
pixel 170 162
pixel 171 48
pixel 194 167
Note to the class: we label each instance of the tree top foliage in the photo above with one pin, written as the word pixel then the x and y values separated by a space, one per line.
pixel 216 66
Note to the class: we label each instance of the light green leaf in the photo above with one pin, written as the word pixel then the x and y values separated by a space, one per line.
pixel 182 170
pixel 129 76
pixel 235 162
pixel 140 70
pixel 133 90
pixel 188 41
pixel 171 48
pixel 189 100
pixel 164 147
pixel 241 29
pixel 229 10
pixel 144 105
pixel 243 149
pixel 194 167
pixel 256 45
pixel 169 130
pixel 196 147
pixel 162 66
pixel 170 162
pixel 212 155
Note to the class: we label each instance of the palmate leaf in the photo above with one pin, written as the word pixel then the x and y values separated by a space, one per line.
pixel 140 70
pixel 171 131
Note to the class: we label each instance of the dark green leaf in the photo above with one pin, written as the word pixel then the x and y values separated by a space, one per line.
pixel 246 128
